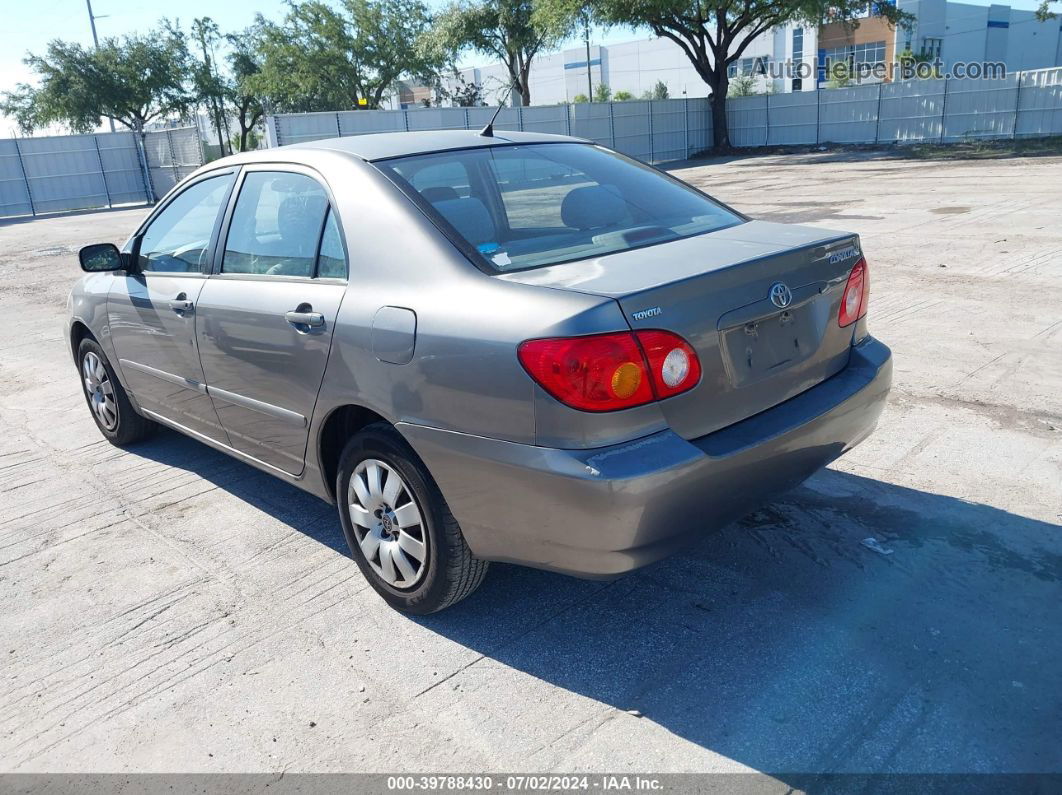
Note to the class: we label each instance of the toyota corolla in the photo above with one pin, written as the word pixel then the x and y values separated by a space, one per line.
pixel 483 347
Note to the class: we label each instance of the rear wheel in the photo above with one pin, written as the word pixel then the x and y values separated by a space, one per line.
pixel 107 401
pixel 398 526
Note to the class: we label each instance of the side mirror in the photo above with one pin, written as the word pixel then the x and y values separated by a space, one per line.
pixel 101 257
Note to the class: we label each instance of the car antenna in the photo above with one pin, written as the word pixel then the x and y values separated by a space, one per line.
pixel 488 131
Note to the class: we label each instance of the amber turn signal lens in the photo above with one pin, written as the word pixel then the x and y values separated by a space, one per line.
pixel 626 380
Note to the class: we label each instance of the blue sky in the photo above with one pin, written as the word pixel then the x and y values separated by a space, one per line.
pixel 31 24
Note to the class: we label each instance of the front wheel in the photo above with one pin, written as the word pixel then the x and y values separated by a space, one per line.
pixel 114 414
pixel 398 526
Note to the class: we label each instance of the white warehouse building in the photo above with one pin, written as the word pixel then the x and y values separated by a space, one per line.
pixel 952 32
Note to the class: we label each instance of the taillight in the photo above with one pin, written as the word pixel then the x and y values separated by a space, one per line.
pixel 608 372
pixel 856 295
pixel 672 362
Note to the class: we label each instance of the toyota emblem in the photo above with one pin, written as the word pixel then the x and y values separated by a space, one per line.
pixel 780 295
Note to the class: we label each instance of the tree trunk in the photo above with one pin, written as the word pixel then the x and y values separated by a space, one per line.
pixel 720 132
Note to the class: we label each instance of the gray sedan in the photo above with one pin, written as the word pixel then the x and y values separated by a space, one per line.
pixel 483 347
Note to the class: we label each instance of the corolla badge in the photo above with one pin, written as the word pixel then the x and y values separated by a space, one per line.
pixel 781 296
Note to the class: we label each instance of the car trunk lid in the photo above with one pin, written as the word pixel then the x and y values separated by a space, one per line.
pixel 714 290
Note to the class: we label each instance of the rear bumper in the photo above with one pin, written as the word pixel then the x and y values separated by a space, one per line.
pixel 605 511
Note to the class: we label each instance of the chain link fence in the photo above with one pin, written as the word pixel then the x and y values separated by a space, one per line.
pixel 78 172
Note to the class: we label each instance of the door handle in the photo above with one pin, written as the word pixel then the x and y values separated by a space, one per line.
pixel 311 319
pixel 181 303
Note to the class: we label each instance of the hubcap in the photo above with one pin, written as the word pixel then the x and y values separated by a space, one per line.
pixel 387 524
pixel 100 391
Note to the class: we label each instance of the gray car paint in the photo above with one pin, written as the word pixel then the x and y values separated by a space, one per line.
pixel 486 431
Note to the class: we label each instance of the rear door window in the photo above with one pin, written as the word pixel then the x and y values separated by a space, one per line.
pixel 276 225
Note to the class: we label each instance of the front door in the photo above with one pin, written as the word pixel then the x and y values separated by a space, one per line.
pixel 264 320
pixel 152 310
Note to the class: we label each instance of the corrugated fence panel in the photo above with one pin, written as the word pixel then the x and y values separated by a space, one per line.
pixel 297 127
pixel 792 118
pixel 436 119
pixel 911 110
pixel 669 129
pixel 360 122
pixel 14 192
pixel 122 170
pixel 699 114
pixel 545 119
pixel 746 119
pixel 1040 103
pixel 64 173
pixel 591 120
pixel 661 130
pixel 980 108
pixel 632 128
pixel 849 115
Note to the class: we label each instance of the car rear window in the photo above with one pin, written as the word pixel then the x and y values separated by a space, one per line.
pixel 529 206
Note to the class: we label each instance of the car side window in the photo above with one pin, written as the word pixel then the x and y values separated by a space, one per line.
pixel 276 225
pixel 178 239
pixel 332 261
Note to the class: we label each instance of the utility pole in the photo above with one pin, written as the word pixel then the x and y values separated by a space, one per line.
pixel 95 39
pixel 586 38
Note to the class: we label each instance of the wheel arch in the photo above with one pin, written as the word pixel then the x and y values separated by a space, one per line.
pixel 338 427
pixel 79 330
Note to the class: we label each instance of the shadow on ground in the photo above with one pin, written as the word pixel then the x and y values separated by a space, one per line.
pixel 783 642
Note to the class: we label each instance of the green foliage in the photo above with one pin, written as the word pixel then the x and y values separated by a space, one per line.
pixel 840 75
pixel 1044 12
pixel 326 58
pixel 742 86
pixel 602 93
pixel 715 33
pixel 245 62
pixel 660 90
pixel 623 96
pixel 579 99
pixel 132 80
pixel 509 30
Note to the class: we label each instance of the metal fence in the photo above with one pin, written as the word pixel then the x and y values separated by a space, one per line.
pixel 1025 104
pixel 653 131
pixel 78 172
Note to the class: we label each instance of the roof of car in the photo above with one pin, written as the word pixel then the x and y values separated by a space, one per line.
pixel 378 146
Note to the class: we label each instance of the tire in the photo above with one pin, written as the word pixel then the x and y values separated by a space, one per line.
pixel 380 526
pixel 107 400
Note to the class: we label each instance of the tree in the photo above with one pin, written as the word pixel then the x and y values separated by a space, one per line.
pixel 463 93
pixel 208 83
pixel 623 96
pixel 602 93
pixel 579 99
pixel 1044 12
pixel 507 29
pixel 133 80
pixel 323 58
pixel 742 85
pixel 245 63
pixel 659 91
pixel 715 33
pixel 840 75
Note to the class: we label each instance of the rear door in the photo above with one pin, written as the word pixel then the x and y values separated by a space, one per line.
pixel 265 317
pixel 152 311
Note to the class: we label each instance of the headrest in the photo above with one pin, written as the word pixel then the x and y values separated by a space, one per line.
pixel 592 207
pixel 299 218
pixel 439 193
pixel 469 217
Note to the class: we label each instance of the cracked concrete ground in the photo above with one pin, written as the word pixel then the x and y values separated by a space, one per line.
pixel 167 608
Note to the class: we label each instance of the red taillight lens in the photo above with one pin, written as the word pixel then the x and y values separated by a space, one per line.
pixel 608 372
pixel 856 295
pixel 672 362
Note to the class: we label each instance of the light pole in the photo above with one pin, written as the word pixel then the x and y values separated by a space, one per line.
pixel 586 38
pixel 95 39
